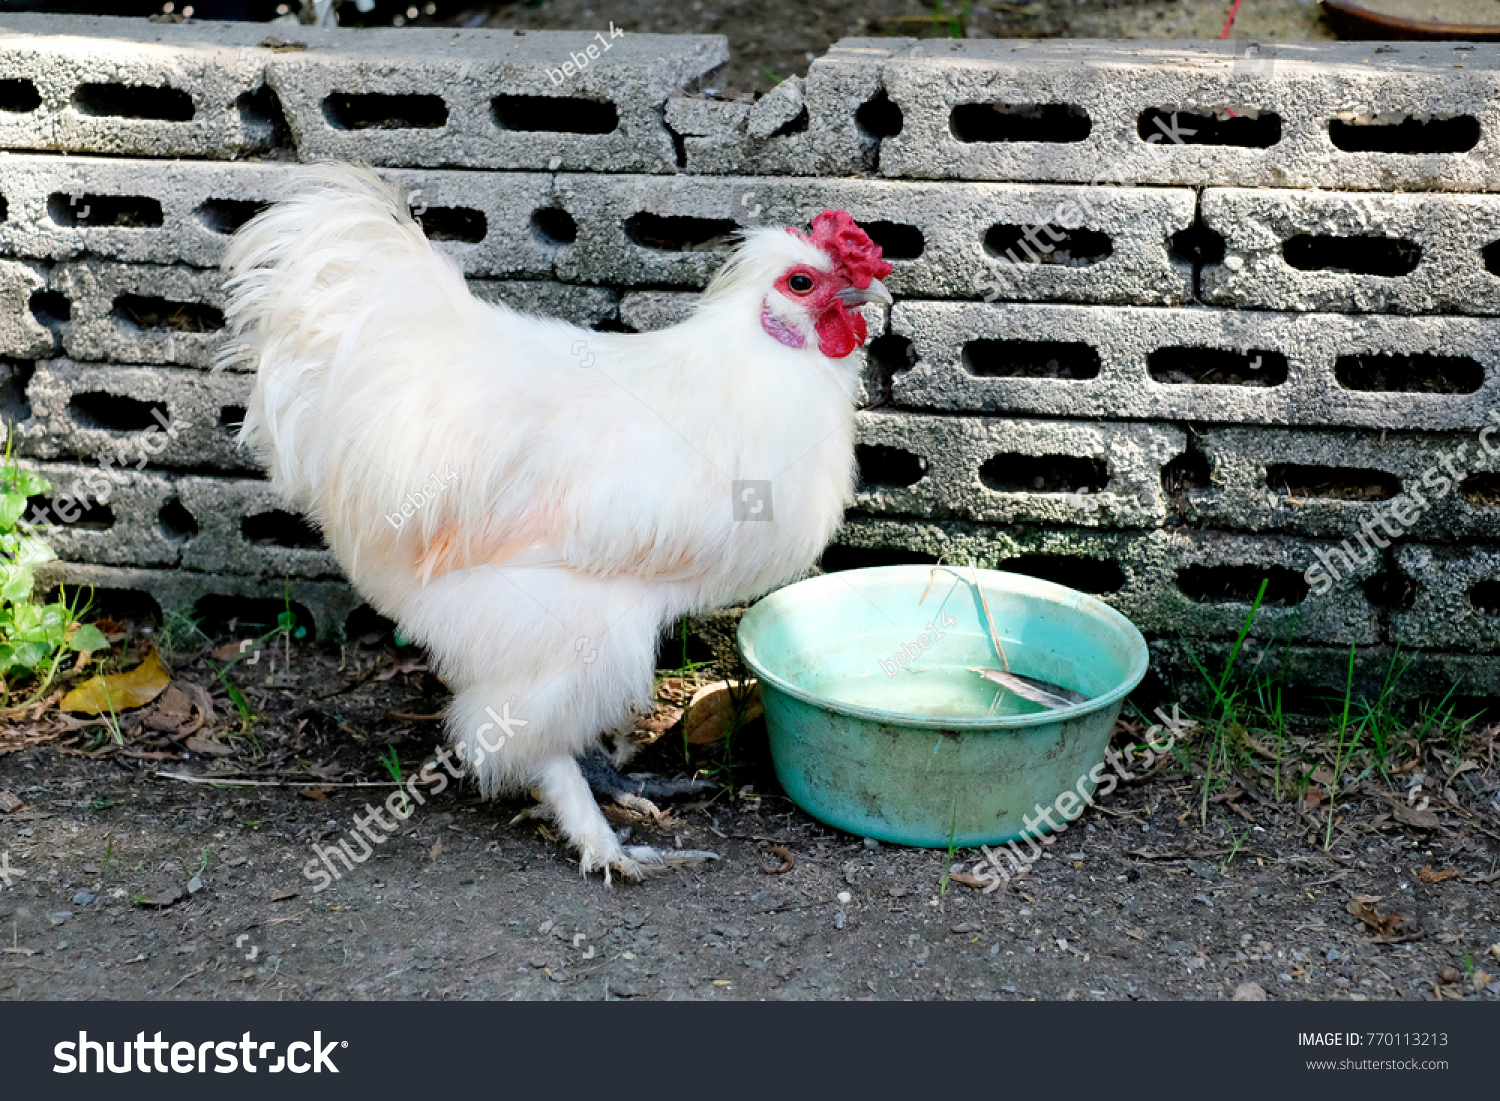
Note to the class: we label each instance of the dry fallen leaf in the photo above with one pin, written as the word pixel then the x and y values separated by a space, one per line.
pixel 1389 928
pixel 1415 817
pixel 966 880
pixel 1322 775
pixel 9 803
pixel 113 692
pixel 207 747
pixel 1427 875
pixel 282 896
pixel 712 710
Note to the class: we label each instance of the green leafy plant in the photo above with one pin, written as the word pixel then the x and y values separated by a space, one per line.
pixel 34 637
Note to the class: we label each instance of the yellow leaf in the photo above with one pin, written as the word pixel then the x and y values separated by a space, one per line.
pixel 711 711
pixel 119 691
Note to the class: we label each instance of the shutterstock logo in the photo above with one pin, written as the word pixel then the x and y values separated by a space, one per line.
pixel 188 1058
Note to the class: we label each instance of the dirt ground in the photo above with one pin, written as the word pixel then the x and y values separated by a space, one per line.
pixel 127 884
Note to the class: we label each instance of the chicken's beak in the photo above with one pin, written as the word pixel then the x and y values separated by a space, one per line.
pixel 875 292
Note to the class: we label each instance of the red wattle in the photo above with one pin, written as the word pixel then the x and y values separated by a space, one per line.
pixel 839 333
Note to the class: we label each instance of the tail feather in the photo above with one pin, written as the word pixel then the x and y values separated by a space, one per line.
pixel 335 264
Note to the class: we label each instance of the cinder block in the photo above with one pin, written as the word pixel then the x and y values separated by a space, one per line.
pixel 831 124
pixel 1313 115
pixel 1302 250
pixel 1098 361
pixel 648 311
pixel 1321 483
pixel 184 212
pixel 126 87
pixel 245 528
pixel 109 515
pixel 105 415
pixel 586 306
pixel 21 334
pixel 139 314
pixel 328 603
pixel 1042 472
pixel 674 231
pixel 1197 584
pixel 1457 602
pixel 488 99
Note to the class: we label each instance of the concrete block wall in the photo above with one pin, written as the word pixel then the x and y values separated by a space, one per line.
pixel 1170 318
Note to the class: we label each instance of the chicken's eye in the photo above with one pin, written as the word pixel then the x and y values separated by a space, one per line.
pixel 800 283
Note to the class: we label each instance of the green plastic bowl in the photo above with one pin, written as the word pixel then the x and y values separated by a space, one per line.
pixel 877 726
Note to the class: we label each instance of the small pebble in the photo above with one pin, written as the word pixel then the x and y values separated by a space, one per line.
pixel 871 843
pixel 845 896
pixel 83 898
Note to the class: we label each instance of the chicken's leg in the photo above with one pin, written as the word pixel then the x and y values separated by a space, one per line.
pixel 566 795
pixel 636 791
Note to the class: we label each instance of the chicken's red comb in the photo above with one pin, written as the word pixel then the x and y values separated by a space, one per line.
pixel 837 234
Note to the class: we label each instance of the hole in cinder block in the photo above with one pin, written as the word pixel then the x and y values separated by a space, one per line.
pixel 1421 373
pixel 384 111
pixel 1481 490
pixel 133 101
pixel 454 223
pixel 122 605
pixel 1486 596
pixel 1013 473
pixel 840 557
pixel 15 377
pixel 365 624
pixel 555 114
pixel 878 117
pixel 882 467
pixel 1388 257
pixel 1055 123
pixel 160 314
pixel 896 240
pixel 277 528
pixel 1390 590
pixel 891 353
pixel 1331 483
pixel 1177 366
pixel 19 97
pixel 1186 473
pixel 64 510
pixel 554 226
pixel 1455 134
pixel 226 216
pixel 176 522
pixel 1060 359
pixel 221 613
pixel 1196 245
pixel 52 309
pixel 263 120
pixel 680 233
pixel 1087 575
pixel 116 412
pixel 611 325
pixel 1047 244
pixel 4 209
pixel 231 417
pixel 90 211
pixel 1239 584
pixel 1247 129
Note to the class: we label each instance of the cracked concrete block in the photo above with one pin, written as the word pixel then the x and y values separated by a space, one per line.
pixel 489 99
pixel 695 115
pixel 184 212
pixel 139 314
pixel 1314 482
pixel 127 87
pixel 1403 373
pixel 1457 600
pixel 846 117
pixel 110 515
pixel 184 592
pixel 1198 584
pixel 21 334
pixel 1300 250
pixel 1207 113
pixel 585 306
pixel 1013 471
pixel 939 238
pixel 109 414
pixel 778 108
pixel 245 528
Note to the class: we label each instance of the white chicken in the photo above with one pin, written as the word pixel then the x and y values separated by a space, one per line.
pixel 533 501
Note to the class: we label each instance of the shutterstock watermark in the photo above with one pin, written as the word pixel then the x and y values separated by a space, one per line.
pixel 1071 802
pixel 911 651
pixel 752 500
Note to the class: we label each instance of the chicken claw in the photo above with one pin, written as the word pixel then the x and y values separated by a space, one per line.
pixel 637 862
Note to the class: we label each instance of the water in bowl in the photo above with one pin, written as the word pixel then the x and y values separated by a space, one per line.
pixel 938 692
